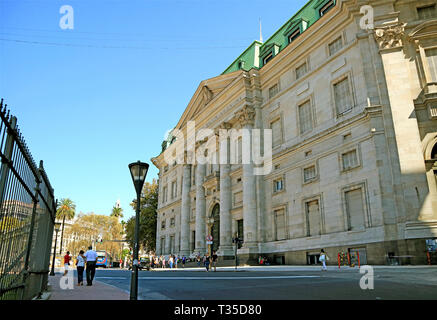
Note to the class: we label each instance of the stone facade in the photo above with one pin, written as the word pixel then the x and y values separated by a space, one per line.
pixel 354 120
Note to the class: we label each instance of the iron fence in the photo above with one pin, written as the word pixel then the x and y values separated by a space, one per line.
pixel 27 215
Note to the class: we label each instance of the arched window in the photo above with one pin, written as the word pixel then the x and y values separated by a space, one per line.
pixel 434 152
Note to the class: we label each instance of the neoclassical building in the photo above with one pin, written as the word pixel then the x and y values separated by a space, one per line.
pixel 353 112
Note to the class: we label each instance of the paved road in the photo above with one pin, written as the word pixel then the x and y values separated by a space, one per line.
pixel 277 284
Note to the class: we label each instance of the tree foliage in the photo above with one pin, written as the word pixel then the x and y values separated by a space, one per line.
pixel 65 211
pixel 89 227
pixel 117 212
pixel 148 218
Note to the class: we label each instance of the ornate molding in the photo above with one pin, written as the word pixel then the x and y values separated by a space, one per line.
pixel 246 116
pixel 390 37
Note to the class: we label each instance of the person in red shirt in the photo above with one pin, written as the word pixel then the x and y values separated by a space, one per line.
pixel 67 259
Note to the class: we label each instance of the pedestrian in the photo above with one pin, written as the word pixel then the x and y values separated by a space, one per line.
pixel 67 259
pixel 80 264
pixel 323 258
pixel 163 262
pixel 198 260
pixel 214 260
pixel 91 257
pixel 176 261
pixel 183 261
pixel 170 261
pixel 121 263
pixel 206 262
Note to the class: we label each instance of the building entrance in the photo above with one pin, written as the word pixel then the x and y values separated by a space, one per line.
pixel 215 230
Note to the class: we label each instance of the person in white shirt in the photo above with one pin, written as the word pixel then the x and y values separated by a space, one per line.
pixel 91 259
pixel 80 267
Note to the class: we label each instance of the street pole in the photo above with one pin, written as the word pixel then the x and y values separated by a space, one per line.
pixel 134 279
pixel 52 272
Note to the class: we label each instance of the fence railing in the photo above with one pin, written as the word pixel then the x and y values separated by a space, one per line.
pixel 27 215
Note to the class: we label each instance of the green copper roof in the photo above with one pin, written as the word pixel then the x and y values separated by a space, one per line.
pixel 302 20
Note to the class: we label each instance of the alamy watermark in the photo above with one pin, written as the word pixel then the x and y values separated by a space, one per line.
pixel 222 146
pixel 67 20
pixel 367 20
pixel 367 281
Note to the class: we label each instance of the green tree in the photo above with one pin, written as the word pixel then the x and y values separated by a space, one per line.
pixel 148 218
pixel 65 211
pixel 117 212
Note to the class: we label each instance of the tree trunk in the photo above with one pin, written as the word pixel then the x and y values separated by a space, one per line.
pixel 62 235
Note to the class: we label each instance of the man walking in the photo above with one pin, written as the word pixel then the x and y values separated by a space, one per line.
pixel 91 258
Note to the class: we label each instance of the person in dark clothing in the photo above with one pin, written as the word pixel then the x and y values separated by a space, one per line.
pixel 214 260
pixel 91 259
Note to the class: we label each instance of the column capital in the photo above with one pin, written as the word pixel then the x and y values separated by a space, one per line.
pixel 246 116
pixel 390 37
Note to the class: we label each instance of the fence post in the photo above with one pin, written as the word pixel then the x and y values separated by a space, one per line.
pixel 6 160
pixel 339 260
pixel 36 264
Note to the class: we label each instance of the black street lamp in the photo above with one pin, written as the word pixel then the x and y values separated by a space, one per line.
pixel 57 227
pixel 138 171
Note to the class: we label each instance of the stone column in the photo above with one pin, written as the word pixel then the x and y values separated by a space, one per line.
pixel 225 248
pixel 185 212
pixel 247 117
pixel 200 209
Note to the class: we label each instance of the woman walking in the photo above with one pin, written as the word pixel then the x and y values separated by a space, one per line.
pixel 80 267
pixel 170 261
pixel 67 259
pixel 323 258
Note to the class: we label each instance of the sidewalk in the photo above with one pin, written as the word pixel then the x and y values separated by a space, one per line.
pixel 98 291
pixel 278 268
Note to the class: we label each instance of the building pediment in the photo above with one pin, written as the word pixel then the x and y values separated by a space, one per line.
pixel 425 30
pixel 206 92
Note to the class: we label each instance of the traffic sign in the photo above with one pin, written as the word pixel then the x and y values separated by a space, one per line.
pixel 209 238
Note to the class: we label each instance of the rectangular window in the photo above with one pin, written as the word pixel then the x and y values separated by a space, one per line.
pixel 305 117
pixel 335 46
pixel 173 189
pixel 294 36
pixel 163 224
pixel 268 58
pixel 427 12
pixel 273 91
pixel 162 245
pixel 280 225
pixel 350 160
pixel 355 209
pixel 313 218
pixel 431 58
pixel 301 71
pixel 164 195
pixel 343 97
pixel 309 173
pixel 326 8
pixel 276 132
pixel 238 199
pixel 278 185
pixel 172 244
pixel 172 222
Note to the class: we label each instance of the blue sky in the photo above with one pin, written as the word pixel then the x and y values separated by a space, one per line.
pixel 91 100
